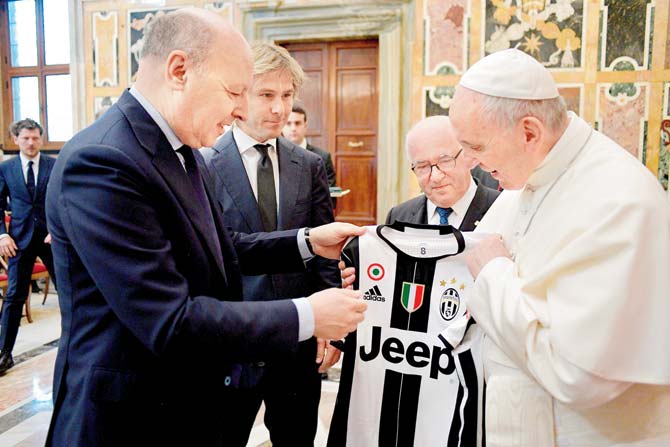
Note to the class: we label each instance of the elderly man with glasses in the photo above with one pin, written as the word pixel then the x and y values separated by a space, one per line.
pixel 451 196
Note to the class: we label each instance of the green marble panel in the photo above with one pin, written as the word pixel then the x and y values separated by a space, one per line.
pixel 626 33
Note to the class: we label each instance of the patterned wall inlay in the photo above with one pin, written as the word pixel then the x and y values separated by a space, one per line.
pixel 622 113
pixel 550 31
pixel 625 38
pixel 105 48
pixel 572 94
pixel 437 100
pixel 664 154
pixel 138 20
pixel 445 36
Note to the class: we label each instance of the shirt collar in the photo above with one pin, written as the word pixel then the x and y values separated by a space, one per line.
pixel 25 160
pixel 461 206
pixel 303 143
pixel 172 138
pixel 561 155
pixel 245 142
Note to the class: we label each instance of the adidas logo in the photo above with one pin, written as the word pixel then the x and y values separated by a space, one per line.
pixel 374 294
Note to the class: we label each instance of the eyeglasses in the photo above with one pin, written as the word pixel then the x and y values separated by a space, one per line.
pixel 444 163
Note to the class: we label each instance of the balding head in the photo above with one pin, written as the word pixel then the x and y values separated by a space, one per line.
pixel 432 142
pixel 195 69
pixel 175 31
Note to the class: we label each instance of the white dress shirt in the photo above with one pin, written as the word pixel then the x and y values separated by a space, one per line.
pixel 251 157
pixel 24 166
pixel 458 209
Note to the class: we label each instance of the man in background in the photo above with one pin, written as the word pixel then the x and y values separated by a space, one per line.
pixel 23 180
pixel 267 183
pixel 296 131
pixel 450 195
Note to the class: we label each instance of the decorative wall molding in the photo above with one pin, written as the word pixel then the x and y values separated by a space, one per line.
pixel 105 25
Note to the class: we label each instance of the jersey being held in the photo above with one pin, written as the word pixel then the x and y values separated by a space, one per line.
pixel 411 373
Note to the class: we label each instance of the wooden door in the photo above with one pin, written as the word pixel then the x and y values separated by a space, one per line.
pixel 341 101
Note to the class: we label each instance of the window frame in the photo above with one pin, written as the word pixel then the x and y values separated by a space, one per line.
pixel 41 71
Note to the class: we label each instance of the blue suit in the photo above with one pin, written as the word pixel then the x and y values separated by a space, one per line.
pixel 290 387
pixel 149 329
pixel 28 228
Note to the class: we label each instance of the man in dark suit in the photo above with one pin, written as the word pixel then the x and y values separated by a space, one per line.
pixel 23 180
pixel 296 196
pixel 296 131
pixel 450 193
pixel 148 274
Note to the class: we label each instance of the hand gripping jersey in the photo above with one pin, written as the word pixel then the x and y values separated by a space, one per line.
pixel 411 373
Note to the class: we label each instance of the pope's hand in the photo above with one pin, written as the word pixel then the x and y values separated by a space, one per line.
pixel 328 240
pixel 336 312
pixel 487 249
pixel 348 275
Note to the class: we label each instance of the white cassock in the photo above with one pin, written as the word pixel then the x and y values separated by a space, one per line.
pixel 578 325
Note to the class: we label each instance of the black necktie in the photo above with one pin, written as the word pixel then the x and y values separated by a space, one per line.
pixel 267 196
pixel 195 177
pixel 194 174
pixel 444 215
pixel 30 180
pixel 198 187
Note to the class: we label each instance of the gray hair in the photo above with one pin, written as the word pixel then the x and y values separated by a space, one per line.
pixel 507 112
pixel 178 30
pixel 269 57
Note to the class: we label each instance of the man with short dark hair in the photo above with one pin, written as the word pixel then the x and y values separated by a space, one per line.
pixel 23 180
pixel 296 131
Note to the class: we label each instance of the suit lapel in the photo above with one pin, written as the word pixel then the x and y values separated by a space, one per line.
pixel 44 169
pixel 290 162
pixel 166 162
pixel 230 168
pixel 17 173
pixel 421 213
pixel 475 211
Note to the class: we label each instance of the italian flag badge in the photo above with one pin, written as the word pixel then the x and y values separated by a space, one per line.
pixel 412 296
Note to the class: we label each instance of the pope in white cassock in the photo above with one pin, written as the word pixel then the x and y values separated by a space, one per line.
pixel 574 297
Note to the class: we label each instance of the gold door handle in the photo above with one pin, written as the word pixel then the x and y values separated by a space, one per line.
pixel 355 143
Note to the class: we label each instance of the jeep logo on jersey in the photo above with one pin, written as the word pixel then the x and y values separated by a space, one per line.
pixel 417 354
pixel 412 296
pixel 375 272
pixel 449 304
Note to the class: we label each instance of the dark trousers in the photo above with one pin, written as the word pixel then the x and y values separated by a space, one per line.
pixel 291 391
pixel 19 271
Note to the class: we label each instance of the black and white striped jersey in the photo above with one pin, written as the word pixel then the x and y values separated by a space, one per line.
pixel 411 373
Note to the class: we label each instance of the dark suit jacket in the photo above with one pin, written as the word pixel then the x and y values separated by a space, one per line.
pixel 484 178
pixel 28 214
pixel 415 210
pixel 327 162
pixel 304 201
pixel 148 329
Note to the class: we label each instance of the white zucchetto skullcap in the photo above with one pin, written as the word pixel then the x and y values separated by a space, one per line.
pixel 510 74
